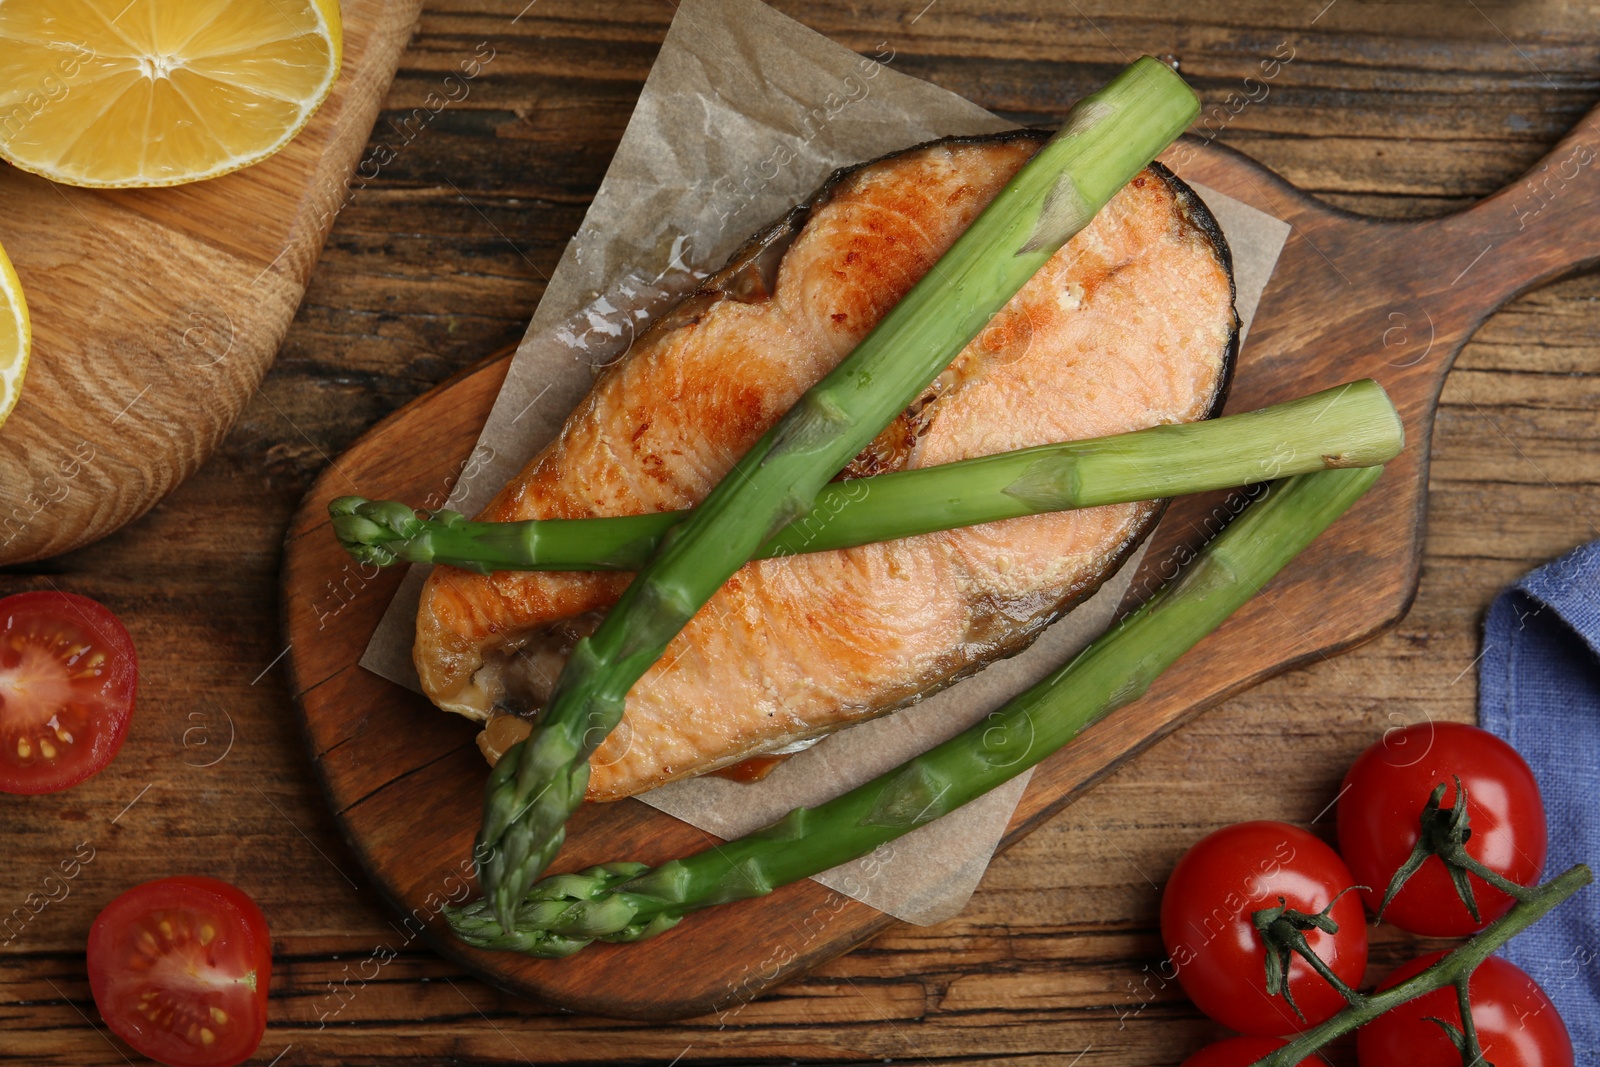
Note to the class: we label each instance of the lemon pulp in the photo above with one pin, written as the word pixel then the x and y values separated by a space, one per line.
pixel 159 92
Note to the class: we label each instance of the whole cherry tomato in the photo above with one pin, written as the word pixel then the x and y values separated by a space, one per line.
pixel 1229 882
pixel 1517 1025
pixel 1381 820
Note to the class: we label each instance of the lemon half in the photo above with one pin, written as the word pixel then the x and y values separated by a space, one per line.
pixel 15 336
pixel 159 92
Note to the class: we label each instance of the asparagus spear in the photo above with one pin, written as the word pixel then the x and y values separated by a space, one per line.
pixel 1107 138
pixel 1352 425
pixel 627 901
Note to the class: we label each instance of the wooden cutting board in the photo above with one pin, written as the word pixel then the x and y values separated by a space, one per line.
pixel 1351 297
pixel 156 312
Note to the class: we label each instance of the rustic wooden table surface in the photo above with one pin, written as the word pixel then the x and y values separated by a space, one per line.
pixel 1402 110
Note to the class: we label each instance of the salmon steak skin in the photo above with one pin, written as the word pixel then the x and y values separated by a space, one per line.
pixel 1130 325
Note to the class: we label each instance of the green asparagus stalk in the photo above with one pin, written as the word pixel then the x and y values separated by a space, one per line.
pixel 1352 425
pixel 627 902
pixel 1108 137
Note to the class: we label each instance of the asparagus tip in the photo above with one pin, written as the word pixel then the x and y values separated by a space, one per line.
pixel 373 531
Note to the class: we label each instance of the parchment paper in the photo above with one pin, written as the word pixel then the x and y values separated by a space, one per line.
pixel 745 113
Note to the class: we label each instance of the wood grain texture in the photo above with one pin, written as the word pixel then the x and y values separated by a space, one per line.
pixel 1397 110
pixel 157 311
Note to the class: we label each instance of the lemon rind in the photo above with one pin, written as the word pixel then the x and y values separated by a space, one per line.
pixel 11 378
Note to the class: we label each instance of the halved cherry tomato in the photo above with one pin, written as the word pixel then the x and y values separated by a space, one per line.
pixel 179 970
pixel 1380 812
pixel 1517 1025
pixel 1208 928
pixel 1243 1051
pixel 67 678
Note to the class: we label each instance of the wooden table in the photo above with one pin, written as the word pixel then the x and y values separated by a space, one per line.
pixel 1391 110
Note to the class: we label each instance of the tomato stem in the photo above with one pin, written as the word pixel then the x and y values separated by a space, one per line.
pixel 1471 1052
pixel 1444 833
pixel 1455 969
pixel 1282 929
pixel 1465 1036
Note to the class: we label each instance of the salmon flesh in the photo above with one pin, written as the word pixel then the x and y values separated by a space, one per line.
pixel 1130 325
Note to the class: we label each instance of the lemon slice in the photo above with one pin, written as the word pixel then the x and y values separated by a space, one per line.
pixel 159 92
pixel 15 337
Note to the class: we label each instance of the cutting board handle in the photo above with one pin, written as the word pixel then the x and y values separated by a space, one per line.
pixel 1540 227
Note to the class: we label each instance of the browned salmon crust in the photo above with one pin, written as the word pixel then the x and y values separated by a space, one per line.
pixel 1130 325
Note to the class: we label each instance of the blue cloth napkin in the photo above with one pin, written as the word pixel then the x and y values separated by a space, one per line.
pixel 1539 689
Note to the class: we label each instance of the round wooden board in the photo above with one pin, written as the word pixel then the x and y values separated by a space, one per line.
pixel 156 312
pixel 404 781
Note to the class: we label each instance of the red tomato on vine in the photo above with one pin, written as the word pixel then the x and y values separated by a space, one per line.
pixel 1400 811
pixel 1516 1024
pixel 1236 904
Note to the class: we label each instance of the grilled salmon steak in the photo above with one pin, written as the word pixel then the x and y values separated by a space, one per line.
pixel 1130 325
